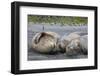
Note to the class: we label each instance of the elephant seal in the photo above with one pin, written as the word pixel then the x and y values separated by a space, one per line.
pixel 66 39
pixel 45 42
pixel 77 45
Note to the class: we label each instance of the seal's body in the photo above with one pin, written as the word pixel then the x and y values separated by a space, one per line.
pixel 66 39
pixel 45 42
pixel 77 45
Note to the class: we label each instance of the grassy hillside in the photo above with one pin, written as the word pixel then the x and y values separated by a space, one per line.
pixel 63 20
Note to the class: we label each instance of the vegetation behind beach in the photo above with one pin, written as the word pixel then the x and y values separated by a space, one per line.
pixel 62 20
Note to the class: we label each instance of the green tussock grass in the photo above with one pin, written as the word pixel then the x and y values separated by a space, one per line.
pixel 63 20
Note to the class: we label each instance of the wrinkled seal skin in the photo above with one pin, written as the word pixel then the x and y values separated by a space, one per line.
pixel 66 39
pixel 77 45
pixel 45 42
pixel 73 47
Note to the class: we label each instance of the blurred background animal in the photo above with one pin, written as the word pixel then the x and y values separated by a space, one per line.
pixel 84 44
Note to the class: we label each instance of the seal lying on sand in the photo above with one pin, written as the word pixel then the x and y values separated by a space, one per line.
pixel 45 42
pixel 66 39
pixel 77 45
